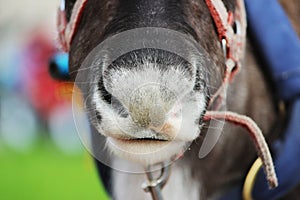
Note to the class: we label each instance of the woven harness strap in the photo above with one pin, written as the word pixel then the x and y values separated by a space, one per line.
pixel 255 134
pixel 66 30
pixel 231 28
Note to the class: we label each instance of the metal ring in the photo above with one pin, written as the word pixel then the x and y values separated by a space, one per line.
pixel 224 47
pixel 237 27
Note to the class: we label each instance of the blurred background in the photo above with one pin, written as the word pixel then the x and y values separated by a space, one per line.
pixel 41 156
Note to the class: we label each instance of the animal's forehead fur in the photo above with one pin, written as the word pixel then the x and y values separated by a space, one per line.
pixel 101 19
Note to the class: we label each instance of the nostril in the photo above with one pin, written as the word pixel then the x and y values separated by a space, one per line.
pixel 113 101
pixel 105 94
pixel 121 110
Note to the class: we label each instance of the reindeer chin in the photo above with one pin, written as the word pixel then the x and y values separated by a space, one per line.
pixel 146 152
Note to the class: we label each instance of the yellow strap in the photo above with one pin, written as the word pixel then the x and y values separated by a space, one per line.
pixel 250 179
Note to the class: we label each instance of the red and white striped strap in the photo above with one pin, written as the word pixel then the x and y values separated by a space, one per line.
pixel 66 30
pixel 256 136
pixel 234 38
pixel 235 41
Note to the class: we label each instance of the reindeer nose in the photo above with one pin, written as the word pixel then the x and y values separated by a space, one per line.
pixel 151 117
pixel 157 117
pixel 149 105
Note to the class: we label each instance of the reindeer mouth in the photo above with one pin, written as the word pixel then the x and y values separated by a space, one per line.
pixel 151 138
pixel 146 151
pixel 141 143
pixel 145 140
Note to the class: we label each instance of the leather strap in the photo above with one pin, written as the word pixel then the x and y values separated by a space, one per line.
pixel 231 27
pixel 66 29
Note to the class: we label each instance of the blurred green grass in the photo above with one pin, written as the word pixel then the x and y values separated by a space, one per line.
pixel 45 173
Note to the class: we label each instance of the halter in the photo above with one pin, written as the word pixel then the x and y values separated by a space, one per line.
pixel 231 29
pixel 67 30
pixel 280 48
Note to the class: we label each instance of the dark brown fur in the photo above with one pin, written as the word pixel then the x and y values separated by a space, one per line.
pixel 232 157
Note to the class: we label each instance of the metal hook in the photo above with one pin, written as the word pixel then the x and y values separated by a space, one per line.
pixel 154 186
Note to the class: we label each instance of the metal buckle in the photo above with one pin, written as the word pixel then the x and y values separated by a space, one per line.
pixel 155 185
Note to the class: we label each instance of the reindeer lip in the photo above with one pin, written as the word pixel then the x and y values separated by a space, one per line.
pixel 142 139
pixel 145 139
pixel 150 139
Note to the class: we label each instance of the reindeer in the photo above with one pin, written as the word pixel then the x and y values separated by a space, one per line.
pixel 249 92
